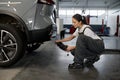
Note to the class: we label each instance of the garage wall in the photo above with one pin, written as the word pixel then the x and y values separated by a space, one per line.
pixel 109 19
pixel 66 15
pixel 97 20
pixel 112 24
pixel 112 21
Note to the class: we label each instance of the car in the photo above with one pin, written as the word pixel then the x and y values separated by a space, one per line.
pixel 24 26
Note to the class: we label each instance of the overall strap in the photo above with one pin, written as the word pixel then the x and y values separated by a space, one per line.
pixel 90 29
pixel 84 30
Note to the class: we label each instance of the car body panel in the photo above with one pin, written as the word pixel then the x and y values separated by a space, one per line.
pixel 36 16
pixel 27 10
pixel 43 16
pixel 23 8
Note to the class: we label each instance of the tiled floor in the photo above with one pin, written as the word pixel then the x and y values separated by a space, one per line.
pixel 51 63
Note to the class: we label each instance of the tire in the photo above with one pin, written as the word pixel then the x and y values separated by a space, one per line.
pixel 32 47
pixel 12 46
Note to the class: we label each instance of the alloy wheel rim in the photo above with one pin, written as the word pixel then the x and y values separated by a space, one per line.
pixel 8 46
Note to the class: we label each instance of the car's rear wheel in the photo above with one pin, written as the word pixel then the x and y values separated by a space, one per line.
pixel 12 46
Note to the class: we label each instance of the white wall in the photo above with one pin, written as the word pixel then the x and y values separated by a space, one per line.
pixel 66 15
pixel 98 20
pixel 112 21
pixel 112 24
pixel 93 20
pixel 59 23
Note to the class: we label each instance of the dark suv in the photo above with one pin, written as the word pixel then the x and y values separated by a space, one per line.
pixel 24 25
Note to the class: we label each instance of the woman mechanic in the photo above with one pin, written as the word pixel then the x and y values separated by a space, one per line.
pixel 88 45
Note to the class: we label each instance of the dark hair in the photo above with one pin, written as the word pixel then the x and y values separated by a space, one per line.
pixel 79 18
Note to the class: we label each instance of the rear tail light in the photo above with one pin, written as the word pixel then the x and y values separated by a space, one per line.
pixel 46 1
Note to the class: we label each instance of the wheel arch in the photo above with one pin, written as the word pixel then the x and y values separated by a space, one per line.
pixel 14 20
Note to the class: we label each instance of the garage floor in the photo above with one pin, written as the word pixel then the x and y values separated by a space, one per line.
pixel 50 63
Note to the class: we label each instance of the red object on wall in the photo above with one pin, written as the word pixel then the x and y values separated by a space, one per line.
pixel 117 26
pixel 102 29
pixel 88 19
pixel 72 30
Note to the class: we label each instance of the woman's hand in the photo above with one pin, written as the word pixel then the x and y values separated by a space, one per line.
pixel 69 48
pixel 58 41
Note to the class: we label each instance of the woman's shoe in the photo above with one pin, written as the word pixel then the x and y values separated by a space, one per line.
pixel 75 66
pixel 91 60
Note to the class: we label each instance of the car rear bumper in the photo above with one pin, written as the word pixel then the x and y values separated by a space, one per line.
pixel 41 35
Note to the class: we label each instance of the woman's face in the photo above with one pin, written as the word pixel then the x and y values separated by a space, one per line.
pixel 76 23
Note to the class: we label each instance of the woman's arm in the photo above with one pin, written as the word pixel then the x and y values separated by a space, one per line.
pixel 66 39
